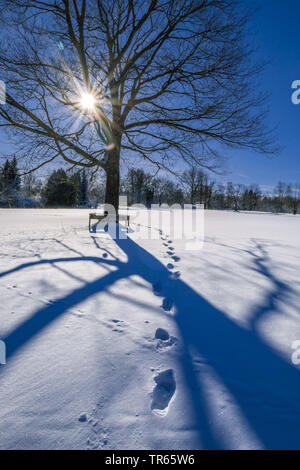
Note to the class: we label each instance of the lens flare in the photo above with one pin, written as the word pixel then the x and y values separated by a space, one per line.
pixel 88 101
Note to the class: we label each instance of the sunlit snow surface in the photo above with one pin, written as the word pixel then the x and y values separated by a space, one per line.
pixel 141 344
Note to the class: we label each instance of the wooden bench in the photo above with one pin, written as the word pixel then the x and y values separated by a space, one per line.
pixel 109 218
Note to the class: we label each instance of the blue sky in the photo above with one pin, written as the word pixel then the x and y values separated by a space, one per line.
pixel 278 38
pixel 277 35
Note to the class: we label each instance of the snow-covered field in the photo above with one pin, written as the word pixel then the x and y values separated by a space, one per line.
pixel 125 344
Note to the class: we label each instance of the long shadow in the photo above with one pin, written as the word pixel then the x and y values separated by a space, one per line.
pixel 280 290
pixel 263 384
pixel 265 387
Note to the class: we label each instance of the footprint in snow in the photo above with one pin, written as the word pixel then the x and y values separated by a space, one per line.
pixel 164 339
pixel 163 392
pixel 167 304
pixel 82 418
pixel 170 266
pixel 162 334
pixel 175 258
pixel 157 287
pixel 118 325
pixel 98 434
pixel 175 275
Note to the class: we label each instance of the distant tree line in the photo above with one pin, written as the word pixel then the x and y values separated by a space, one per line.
pixel 195 186
pixel 60 189
pixel 82 189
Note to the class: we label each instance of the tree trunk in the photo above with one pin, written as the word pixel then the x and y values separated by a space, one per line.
pixel 113 180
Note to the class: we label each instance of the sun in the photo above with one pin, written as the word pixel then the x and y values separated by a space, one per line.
pixel 88 102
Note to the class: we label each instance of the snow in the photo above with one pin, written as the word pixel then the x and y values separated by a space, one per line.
pixel 142 344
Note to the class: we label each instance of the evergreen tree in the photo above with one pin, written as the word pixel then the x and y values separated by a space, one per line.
pixel 60 190
pixel 15 180
pixel 75 178
pixel 5 175
pixel 10 184
pixel 83 195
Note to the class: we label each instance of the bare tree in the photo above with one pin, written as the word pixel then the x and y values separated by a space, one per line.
pixel 190 180
pixel 293 197
pixel 197 185
pixel 31 186
pixel 92 81
pixel 234 192
pixel 280 193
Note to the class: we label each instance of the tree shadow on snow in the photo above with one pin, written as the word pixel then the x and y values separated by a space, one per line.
pixel 264 386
